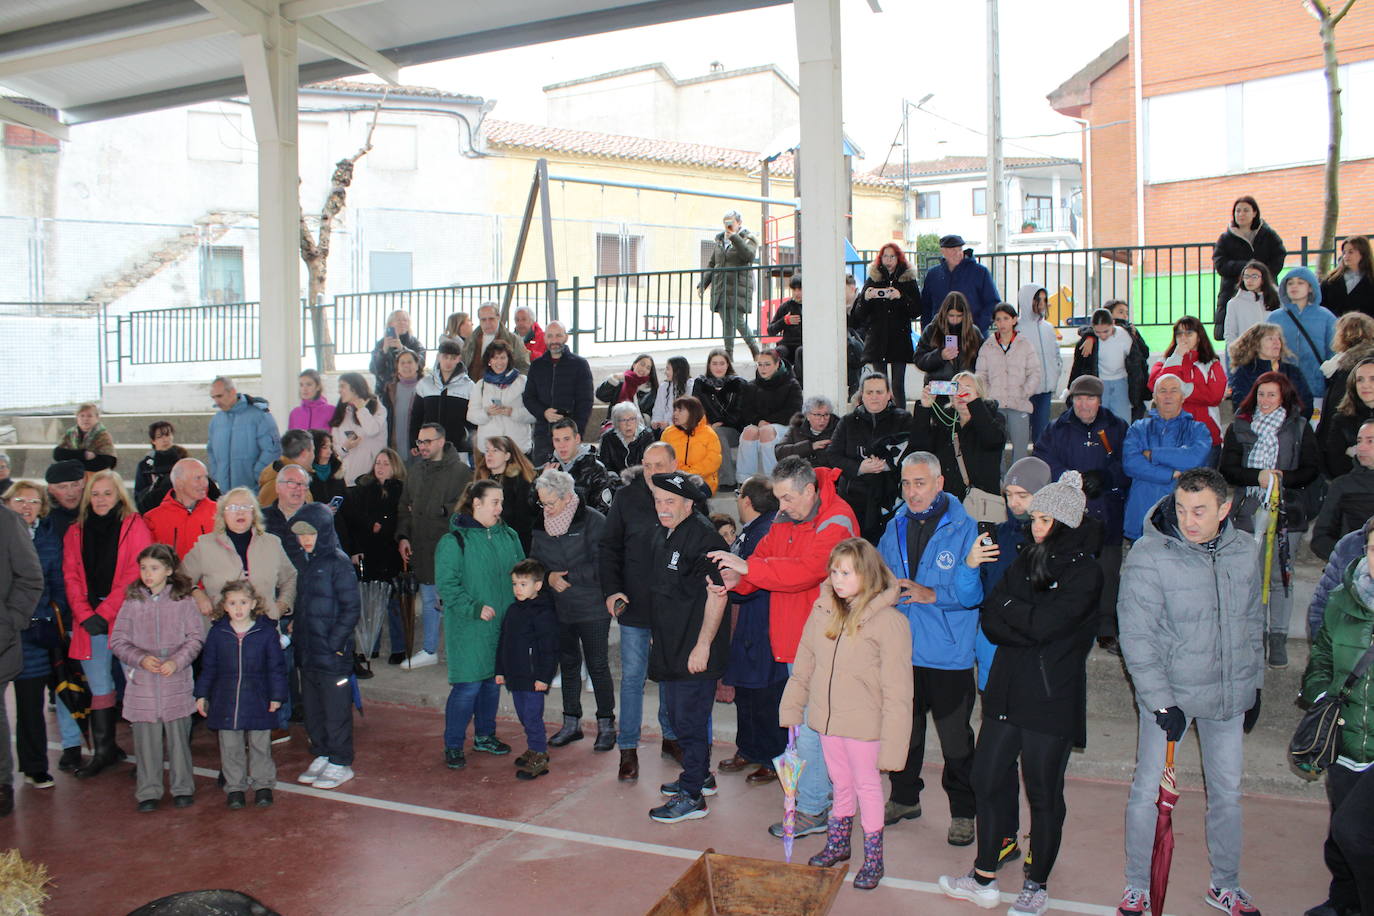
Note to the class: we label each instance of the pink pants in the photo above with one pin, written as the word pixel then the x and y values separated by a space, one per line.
pixel 853 767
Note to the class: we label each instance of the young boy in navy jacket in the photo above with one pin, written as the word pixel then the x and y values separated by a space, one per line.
pixel 327 608
pixel 527 659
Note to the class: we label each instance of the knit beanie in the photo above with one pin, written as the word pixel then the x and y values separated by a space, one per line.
pixel 1030 474
pixel 1063 501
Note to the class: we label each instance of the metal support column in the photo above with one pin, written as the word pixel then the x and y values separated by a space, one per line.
pixel 823 189
pixel 270 66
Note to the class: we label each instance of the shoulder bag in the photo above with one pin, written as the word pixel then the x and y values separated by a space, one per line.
pixel 1317 739
pixel 981 505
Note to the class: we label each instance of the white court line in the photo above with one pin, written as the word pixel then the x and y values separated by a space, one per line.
pixel 591 839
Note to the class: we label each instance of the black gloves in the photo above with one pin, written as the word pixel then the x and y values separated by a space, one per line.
pixel 1252 714
pixel 95 625
pixel 1173 721
pixel 1092 484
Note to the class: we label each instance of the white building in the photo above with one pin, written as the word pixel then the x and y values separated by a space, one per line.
pixel 1044 199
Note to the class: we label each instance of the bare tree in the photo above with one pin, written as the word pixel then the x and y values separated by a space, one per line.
pixel 315 251
pixel 1327 20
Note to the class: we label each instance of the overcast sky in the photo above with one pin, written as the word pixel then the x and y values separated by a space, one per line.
pixel 913 48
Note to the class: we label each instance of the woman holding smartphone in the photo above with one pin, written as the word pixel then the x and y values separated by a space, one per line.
pixel 887 305
pixel 951 342
pixel 497 407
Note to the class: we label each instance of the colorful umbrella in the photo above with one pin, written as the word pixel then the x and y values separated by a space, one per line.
pixel 1163 857
pixel 1274 503
pixel 789 766
pixel 69 677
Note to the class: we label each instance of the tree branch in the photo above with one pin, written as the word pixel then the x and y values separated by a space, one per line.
pixel 1341 15
pixel 340 182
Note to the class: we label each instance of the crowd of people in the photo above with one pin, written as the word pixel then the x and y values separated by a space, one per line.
pixel 886 565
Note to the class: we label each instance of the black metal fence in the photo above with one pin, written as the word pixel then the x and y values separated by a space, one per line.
pixel 1161 283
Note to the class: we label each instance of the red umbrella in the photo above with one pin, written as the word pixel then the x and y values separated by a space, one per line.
pixel 1163 856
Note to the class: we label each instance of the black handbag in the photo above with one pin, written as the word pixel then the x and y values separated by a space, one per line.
pixel 1316 741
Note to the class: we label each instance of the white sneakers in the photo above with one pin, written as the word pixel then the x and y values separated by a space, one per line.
pixel 421 659
pixel 313 772
pixel 964 887
pixel 325 775
pixel 333 776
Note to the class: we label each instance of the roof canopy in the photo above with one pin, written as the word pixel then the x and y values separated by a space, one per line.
pixel 95 59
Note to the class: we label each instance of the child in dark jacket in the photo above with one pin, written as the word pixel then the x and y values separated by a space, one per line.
pixel 241 686
pixel 527 659
pixel 327 609
pixel 156 637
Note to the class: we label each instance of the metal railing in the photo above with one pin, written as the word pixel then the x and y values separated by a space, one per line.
pixel 1161 283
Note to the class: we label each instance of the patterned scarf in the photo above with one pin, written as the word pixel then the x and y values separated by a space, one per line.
pixel 1364 585
pixel 1265 453
pixel 557 525
pixel 502 380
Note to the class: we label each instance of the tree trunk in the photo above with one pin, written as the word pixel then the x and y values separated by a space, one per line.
pixel 1333 150
pixel 317 270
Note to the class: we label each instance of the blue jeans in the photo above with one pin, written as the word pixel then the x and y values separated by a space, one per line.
pixel 1040 414
pixel 1223 760
pixel 813 789
pixel 529 708
pixel 689 706
pixel 1116 397
pixel 430 616
pixel 468 701
pixel 97 667
pixel 634 663
pixel 67 727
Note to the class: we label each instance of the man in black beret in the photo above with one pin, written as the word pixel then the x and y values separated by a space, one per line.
pixel 691 641
pixel 66 482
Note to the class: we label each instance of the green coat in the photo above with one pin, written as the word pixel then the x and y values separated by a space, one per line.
pixel 472 569
pixel 731 289
pixel 1346 631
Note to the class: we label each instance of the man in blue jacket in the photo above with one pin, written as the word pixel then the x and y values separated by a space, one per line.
pixel 559 385
pixel 1089 438
pixel 1159 448
pixel 929 546
pixel 243 437
pixel 959 272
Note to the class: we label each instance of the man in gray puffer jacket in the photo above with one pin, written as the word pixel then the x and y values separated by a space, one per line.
pixel 1192 635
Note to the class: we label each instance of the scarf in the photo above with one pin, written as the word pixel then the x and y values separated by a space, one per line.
pixel 74 439
pixel 631 384
pixel 241 543
pixel 322 471
pixel 1265 452
pixel 504 380
pixel 556 525
pixel 711 381
pixel 99 552
pixel 1364 585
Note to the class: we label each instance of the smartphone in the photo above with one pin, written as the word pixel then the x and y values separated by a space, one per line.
pixel 987 533
pixel 951 341
pixel 390 332
pixel 620 605
pixel 335 503
pixel 945 388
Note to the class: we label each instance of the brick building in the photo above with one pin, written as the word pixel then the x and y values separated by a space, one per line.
pixel 1233 101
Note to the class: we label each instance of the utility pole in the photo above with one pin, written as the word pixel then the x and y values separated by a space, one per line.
pixel 997 221
pixel 906 171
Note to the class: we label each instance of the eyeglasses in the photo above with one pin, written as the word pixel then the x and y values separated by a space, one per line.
pixel 235 507
pixel 286 483
pixel 820 414
pixel 26 500
pixel 547 505
pixel 420 442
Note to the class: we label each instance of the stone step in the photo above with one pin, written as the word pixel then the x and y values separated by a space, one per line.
pixel 128 429
pixel 32 460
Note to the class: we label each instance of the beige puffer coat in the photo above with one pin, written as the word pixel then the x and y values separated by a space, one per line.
pixel 856 686
pixel 213 563
pixel 1011 376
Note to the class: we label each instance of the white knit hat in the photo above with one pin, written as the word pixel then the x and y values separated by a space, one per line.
pixel 1063 501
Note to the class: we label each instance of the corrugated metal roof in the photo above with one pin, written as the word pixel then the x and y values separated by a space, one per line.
pixel 95 59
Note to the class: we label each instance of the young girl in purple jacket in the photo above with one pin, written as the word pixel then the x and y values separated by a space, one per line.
pixel 157 635
pixel 241 686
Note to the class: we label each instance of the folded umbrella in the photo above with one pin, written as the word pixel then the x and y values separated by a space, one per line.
pixel 69 678
pixel 1163 856
pixel 407 587
pixel 376 599
pixel 789 766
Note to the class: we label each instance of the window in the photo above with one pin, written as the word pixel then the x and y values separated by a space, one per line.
pixel 215 136
pixel 388 270
pixel 394 147
pixel 1040 211
pixel 928 205
pixel 221 274
pixel 980 201
pixel 618 253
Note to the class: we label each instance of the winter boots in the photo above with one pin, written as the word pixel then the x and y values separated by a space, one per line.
pixel 872 870
pixel 102 742
pixel 605 734
pixel 570 732
pixel 537 765
pixel 837 843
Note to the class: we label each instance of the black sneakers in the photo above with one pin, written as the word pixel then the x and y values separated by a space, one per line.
pixel 680 808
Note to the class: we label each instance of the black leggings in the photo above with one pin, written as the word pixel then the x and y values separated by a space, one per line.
pixel 1044 759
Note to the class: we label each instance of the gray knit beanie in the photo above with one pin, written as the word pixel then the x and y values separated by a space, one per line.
pixel 1030 474
pixel 1063 501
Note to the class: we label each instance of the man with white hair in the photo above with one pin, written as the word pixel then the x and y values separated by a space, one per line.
pixel 528 330
pixel 243 437
pixel 489 328
pixel 730 282
pixel 186 512
pixel 559 385
pixel 1159 447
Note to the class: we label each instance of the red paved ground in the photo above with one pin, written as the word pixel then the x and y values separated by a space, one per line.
pixel 408 836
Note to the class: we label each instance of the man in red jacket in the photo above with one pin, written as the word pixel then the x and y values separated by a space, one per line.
pixel 791 562
pixel 186 512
